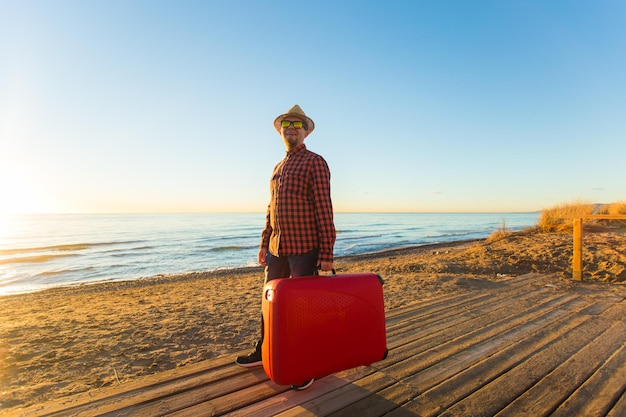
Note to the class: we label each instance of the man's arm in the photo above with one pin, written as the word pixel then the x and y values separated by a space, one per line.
pixel 265 239
pixel 324 213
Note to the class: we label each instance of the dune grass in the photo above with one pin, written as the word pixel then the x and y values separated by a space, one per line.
pixel 617 208
pixel 499 233
pixel 559 217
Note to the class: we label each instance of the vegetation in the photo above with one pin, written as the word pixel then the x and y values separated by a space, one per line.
pixel 500 233
pixel 559 218
pixel 618 208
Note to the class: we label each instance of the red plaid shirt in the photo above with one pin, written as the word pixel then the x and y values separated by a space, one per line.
pixel 300 213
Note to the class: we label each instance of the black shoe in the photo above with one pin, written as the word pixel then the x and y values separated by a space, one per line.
pixel 304 385
pixel 253 359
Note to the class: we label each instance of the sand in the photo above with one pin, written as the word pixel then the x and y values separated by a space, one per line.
pixel 64 341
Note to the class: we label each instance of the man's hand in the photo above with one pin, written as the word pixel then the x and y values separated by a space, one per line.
pixel 262 256
pixel 326 266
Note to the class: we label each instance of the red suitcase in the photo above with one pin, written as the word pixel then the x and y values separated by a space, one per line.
pixel 315 326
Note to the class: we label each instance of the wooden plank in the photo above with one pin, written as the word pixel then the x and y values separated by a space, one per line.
pixel 340 398
pixel 435 401
pixel 432 349
pixel 487 344
pixel 327 387
pixel 547 394
pixel 472 300
pixel 432 313
pixel 154 386
pixel 462 384
pixel 619 409
pixel 456 322
pixel 599 393
pixel 219 405
pixel 378 403
pixel 417 311
pixel 414 309
pixel 205 394
pixel 498 394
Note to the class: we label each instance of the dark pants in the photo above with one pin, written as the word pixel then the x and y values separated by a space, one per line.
pixel 289 267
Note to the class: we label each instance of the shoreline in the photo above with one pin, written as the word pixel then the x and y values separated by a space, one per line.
pixel 62 341
pixel 92 249
pixel 241 269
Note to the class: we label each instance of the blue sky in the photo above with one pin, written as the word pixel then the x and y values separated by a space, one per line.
pixel 164 106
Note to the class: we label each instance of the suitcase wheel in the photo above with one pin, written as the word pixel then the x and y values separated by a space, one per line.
pixel 385 355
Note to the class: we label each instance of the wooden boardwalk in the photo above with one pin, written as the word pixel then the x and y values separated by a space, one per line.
pixel 526 346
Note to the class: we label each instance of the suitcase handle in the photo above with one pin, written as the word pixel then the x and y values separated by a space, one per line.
pixel 380 279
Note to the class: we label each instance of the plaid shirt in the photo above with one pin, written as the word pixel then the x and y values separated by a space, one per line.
pixel 300 214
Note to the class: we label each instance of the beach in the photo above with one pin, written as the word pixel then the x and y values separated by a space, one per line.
pixel 64 341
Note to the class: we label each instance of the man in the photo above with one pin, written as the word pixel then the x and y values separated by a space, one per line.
pixel 299 233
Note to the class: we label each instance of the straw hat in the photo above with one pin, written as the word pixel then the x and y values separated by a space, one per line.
pixel 296 111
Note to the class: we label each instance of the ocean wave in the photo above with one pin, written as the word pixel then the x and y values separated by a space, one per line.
pixel 33 259
pixel 136 248
pixel 237 237
pixel 63 271
pixel 373 247
pixel 123 253
pixel 361 237
pixel 61 248
pixel 459 233
pixel 231 248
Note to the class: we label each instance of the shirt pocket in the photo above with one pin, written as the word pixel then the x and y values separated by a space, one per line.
pixel 295 185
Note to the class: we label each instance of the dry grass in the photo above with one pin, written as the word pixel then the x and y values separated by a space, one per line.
pixel 617 208
pixel 559 218
pixel 499 234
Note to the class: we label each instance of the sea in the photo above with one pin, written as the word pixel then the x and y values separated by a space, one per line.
pixel 41 251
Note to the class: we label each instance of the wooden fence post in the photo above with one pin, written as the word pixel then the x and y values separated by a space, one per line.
pixel 577 263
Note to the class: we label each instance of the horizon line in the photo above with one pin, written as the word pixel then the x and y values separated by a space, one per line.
pixel 261 212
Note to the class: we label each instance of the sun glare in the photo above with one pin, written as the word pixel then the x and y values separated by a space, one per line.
pixel 18 198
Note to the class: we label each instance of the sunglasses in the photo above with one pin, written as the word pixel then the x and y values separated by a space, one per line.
pixel 296 123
